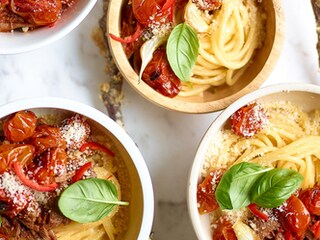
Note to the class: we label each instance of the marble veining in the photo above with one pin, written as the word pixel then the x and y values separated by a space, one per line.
pixel 73 68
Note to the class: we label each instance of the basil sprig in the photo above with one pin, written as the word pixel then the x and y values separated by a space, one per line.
pixel 182 50
pixel 247 183
pixel 89 200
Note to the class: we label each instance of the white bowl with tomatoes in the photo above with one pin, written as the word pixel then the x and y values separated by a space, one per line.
pixel 29 25
pixel 246 181
pixel 30 140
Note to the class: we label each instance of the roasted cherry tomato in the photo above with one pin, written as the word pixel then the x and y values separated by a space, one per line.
pixel 311 199
pixel 46 137
pixel 31 183
pixel 10 153
pixel 296 217
pixel 128 28
pixel 19 126
pixel 206 192
pixel 37 12
pixel 159 75
pixel 3 237
pixel 48 165
pixel 315 229
pixel 224 231
pixel 150 11
pixel 248 120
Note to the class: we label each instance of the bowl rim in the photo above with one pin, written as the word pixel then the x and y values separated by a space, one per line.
pixel 52 37
pixel 177 104
pixel 113 128
pixel 215 125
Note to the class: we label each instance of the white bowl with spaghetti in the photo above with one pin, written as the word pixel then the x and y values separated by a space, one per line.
pixel 210 64
pixel 23 40
pixel 129 172
pixel 284 138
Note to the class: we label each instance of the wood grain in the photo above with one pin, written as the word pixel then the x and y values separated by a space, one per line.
pixel 258 72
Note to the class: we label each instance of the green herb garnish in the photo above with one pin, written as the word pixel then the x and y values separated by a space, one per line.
pixel 247 183
pixel 89 200
pixel 182 50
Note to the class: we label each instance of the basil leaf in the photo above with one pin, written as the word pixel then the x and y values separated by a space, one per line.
pixel 275 187
pixel 89 200
pixel 233 191
pixel 0 221
pixel 147 50
pixel 182 50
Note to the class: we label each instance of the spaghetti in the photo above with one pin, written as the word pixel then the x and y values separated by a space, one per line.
pixel 290 140
pixel 228 39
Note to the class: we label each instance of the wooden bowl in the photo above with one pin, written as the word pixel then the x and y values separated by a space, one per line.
pixel 264 61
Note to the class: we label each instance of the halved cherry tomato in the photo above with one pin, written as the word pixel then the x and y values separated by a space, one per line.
pixel 48 165
pixel 13 152
pixel 206 192
pixel 96 146
pixel 149 11
pixel 224 231
pixel 248 120
pixel 44 12
pixel 296 217
pixel 311 199
pixel 159 75
pixel 80 172
pixel 32 184
pixel 315 229
pixel 255 211
pixel 46 137
pixel 19 126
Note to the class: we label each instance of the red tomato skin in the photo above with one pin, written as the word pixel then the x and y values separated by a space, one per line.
pixel 36 12
pixel 46 137
pixel 315 229
pixel 248 120
pixel 48 165
pixel 224 231
pixel 19 126
pixel 128 28
pixel 10 153
pixel 311 199
pixel 206 192
pixel 159 75
pixel 148 11
pixel 296 217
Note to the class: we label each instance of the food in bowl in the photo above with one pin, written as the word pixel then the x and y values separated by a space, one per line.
pixel 261 173
pixel 28 15
pixel 60 178
pixel 188 47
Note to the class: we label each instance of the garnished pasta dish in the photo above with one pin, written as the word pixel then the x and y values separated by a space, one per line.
pixel 261 174
pixel 60 179
pixel 186 47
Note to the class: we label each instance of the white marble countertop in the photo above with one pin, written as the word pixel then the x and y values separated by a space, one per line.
pixel 73 68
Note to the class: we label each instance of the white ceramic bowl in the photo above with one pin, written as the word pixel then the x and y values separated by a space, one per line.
pixel 142 200
pixel 305 95
pixel 18 42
